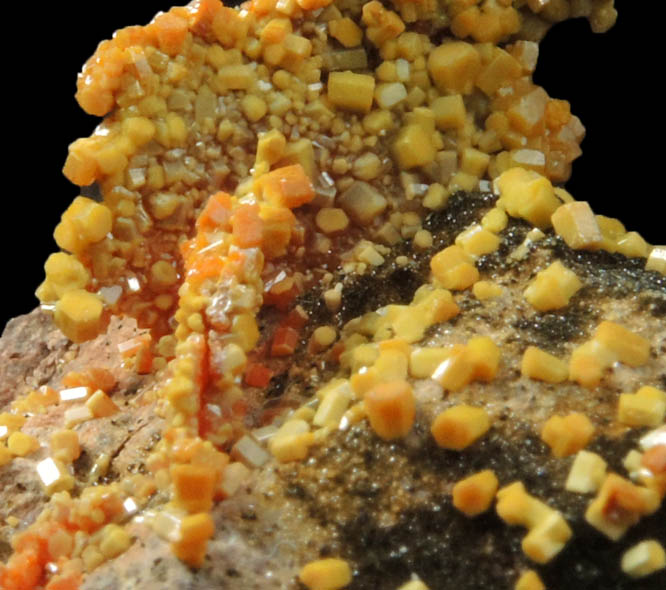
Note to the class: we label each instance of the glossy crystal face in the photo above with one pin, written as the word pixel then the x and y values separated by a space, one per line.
pixel 330 300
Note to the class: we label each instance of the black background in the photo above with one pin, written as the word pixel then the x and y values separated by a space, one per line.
pixel 613 82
